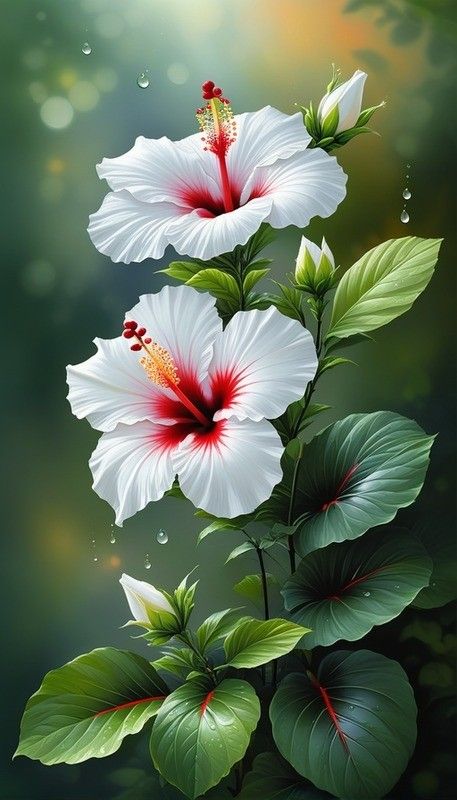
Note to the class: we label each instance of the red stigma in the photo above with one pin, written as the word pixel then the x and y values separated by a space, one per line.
pixel 136 347
pixel 131 324
pixel 211 91
pixel 131 330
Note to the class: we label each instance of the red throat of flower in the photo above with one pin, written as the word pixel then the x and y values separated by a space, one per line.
pixel 219 132
pixel 160 367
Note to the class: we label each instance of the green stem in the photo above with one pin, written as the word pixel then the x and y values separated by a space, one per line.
pixel 186 638
pixel 264 583
pixel 312 385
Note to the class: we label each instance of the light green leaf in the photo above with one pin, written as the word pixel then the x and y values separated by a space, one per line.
pixel 383 284
pixel 329 362
pixel 251 588
pixel 219 283
pixel 216 627
pixel 177 660
pixel 85 708
pixel 253 277
pixel 239 551
pixel 235 524
pixel 182 270
pixel 351 729
pixel 343 590
pixel 353 476
pixel 253 642
pixel 200 733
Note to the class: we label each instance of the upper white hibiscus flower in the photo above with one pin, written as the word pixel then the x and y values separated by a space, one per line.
pixel 195 404
pixel 211 191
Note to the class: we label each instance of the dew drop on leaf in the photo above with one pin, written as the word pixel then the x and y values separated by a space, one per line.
pixel 162 536
pixel 366 594
pixel 86 49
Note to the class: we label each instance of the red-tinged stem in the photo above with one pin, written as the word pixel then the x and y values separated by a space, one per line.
pixel 131 704
pixel 331 711
pixel 206 702
pixel 355 582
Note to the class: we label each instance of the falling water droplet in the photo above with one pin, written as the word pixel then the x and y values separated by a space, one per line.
pixel 112 538
pixel 408 166
pixel 162 536
pixel 142 80
pixel 147 563
pixel 404 216
pixel 86 49
pixel 366 594
pixel 406 194
pixel 95 558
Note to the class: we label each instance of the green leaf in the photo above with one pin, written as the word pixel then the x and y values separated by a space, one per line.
pixel 259 241
pixel 253 277
pixel 351 729
pixel 294 421
pixel 200 733
pixel 383 284
pixel 178 661
pixel 290 302
pixel 85 708
pixel 235 524
pixel 353 476
pixel 219 283
pixel 182 270
pixel 253 642
pixel 216 627
pixel 251 588
pixel 272 778
pixel 239 551
pixel 329 362
pixel 343 590
pixel 439 541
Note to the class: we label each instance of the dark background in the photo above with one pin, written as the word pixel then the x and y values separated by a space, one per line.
pixel 59 293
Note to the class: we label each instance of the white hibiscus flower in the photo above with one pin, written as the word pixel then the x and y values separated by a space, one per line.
pixel 195 404
pixel 211 191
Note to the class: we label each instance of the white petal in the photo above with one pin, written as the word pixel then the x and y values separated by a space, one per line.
pixel 263 137
pixel 303 186
pixel 313 250
pixel 348 96
pixel 141 596
pixel 111 387
pixel 132 466
pixel 128 230
pixel 327 252
pixel 268 358
pixel 183 321
pixel 158 170
pixel 206 237
pixel 236 472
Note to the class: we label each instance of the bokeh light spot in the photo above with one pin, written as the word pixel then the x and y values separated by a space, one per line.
pixel 56 112
pixel 178 73
pixel 39 277
pixel 105 79
pixel 84 96
pixel 38 92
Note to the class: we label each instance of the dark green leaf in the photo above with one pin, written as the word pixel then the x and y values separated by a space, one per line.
pixel 343 590
pixel 271 778
pixel 439 541
pixel 289 302
pixel 351 729
pixel 240 550
pixel 85 708
pixel 329 362
pixel 383 284
pixel 200 733
pixel 353 476
pixel 178 661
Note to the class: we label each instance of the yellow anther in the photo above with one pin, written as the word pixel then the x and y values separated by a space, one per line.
pixel 159 365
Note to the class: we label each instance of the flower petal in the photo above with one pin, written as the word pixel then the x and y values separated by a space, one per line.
pixel 128 230
pixel 206 237
pixel 183 321
pixel 231 470
pixel 263 137
pixel 142 596
pixel 111 387
pixel 158 170
pixel 132 466
pixel 261 364
pixel 308 184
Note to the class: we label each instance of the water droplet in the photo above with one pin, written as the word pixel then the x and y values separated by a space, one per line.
pixel 352 708
pixel 406 194
pixel 95 558
pixel 112 538
pixel 408 166
pixel 366 594
pixel 147 563
pixel 86 49
pixel 397 586
pixel 404 216
pixel 433 583
pixel 142 80
pixel 93 542
pixel 162 536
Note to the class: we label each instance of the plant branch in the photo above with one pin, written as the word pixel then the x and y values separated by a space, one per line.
pixel 264 582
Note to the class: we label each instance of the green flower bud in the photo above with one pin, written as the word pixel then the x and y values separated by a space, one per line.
pixel 315 267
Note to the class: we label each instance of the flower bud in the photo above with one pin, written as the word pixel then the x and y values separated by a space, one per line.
pixel 315 267
pixel 144 598
pixel 340 108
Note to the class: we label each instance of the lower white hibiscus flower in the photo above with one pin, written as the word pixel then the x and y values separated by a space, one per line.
pixel 211 191
pixel 195 404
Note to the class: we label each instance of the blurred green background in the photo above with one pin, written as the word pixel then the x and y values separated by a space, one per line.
pixel 65 110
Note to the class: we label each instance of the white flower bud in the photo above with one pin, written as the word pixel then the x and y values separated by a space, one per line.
pixel 142 598
pixel 347 99
pixel 315 265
